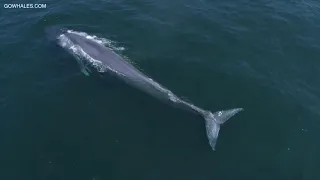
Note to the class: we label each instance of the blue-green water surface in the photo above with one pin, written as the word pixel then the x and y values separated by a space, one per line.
pixel 263 56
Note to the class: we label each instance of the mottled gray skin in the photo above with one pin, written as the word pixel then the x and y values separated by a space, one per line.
pixel 124 69
pixel 127 72
pixel 106 56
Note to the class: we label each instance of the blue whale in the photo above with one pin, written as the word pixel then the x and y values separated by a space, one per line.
pixel 88 50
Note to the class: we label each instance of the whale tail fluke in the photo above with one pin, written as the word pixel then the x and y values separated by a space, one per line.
pixel 213 122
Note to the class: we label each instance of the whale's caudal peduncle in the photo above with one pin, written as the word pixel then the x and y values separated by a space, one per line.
pixel 92 50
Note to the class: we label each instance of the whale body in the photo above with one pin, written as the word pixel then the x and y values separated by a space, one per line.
pixel 89 50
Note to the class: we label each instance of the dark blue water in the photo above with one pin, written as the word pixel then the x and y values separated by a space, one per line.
pixel 263 56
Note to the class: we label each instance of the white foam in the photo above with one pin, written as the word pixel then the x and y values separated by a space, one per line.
pixel 171 96
pixel 79 53
pixel 174 98
pixel 99 40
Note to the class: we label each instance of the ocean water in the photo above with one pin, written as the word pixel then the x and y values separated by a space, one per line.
pixel 263 56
